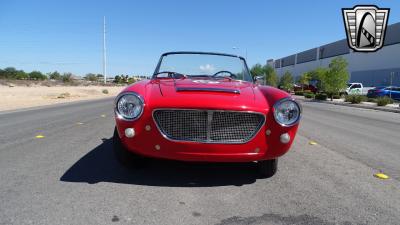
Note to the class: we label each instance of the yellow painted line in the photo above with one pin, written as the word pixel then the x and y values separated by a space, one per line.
pixel 312 143
pixel 39 136
pixel 381 176
pixel 103 115
pixel 79 123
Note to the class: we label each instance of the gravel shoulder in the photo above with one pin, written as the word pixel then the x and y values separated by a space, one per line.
pixel 19 97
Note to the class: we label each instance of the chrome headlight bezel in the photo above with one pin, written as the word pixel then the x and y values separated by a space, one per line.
pixel 125 117
pixel 279 103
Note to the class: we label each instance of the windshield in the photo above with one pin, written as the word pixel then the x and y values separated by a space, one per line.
pixel 203 65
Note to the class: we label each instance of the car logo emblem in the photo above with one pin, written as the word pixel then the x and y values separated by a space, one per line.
pixel 365 27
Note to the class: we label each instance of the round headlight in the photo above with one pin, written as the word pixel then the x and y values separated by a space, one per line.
pixel 287 112
pixel 129 106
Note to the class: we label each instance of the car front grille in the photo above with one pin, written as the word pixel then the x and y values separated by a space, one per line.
pixel 208 126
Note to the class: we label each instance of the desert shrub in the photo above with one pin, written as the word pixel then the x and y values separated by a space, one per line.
pixel 131 80
pixel 309 95
pixel 382 101
pixel 336 96
pixel 91 77
pixel 355 99
pixel 363 98
pixel 66 77
pixel 300 93
pixel 321 96
pixel 371 99
pixel 64 95
pixel 105 91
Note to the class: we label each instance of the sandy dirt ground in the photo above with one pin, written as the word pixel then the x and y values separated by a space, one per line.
pixel 18 97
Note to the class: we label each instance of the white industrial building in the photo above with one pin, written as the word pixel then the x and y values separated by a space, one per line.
pixel 381 68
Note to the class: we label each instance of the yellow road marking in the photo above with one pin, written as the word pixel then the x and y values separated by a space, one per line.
pixel 381 176
pixel 39 136
pixel 79 123
pixel 312 143
pixel 103 115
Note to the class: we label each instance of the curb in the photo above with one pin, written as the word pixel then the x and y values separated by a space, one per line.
pixel 351 105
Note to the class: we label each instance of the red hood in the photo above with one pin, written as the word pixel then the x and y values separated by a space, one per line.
pixel 171 88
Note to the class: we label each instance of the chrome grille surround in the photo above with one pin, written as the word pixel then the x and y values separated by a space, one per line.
pixel 208 126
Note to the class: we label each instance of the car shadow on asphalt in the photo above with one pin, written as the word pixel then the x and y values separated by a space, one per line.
pixel 100 165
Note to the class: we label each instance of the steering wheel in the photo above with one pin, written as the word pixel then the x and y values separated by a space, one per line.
pixel 224 71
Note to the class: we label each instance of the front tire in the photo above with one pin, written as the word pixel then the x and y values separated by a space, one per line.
pixel 125 157
pixel 267 168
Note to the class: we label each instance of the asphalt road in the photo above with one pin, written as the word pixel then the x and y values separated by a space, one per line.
pixel 69 176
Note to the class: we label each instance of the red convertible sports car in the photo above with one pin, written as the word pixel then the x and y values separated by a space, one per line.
pixel 204 107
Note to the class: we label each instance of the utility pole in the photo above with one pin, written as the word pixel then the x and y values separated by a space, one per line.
pixel 104 51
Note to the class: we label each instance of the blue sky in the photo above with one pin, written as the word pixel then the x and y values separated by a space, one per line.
pixel 67 35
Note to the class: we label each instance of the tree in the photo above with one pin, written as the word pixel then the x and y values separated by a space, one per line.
pixel 55 75
pixel 91 77
pixel 117 79
pixel 9 73
pixel 21 75
pixel 271 78
pixel 286 81
pixel 36 75
pixel 66 77
pixel 257 70
pixel 337 76
pixel 100 77
pixel 319 74
pixel 304 79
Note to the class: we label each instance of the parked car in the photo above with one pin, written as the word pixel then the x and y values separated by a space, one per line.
pixel 305 87
pixel 393 92
pixel 204 107
pixel 356 89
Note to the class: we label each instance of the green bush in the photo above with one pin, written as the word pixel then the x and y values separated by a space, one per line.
pixel 105 91
pixel 309 95
pixel 36 75
pixel 300 93
pixel 321 96
pixel 355 99
pixel 336 96
pixel 382 101
pixel 66 77
pixel 371 100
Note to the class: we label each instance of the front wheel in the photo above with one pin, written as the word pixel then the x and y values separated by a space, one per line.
pixel 125 157
pixel 267 168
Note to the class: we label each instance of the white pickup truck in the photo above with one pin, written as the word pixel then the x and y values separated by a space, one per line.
pixel 356 89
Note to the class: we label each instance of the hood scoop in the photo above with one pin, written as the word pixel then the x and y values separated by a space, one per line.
pixel 207 89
